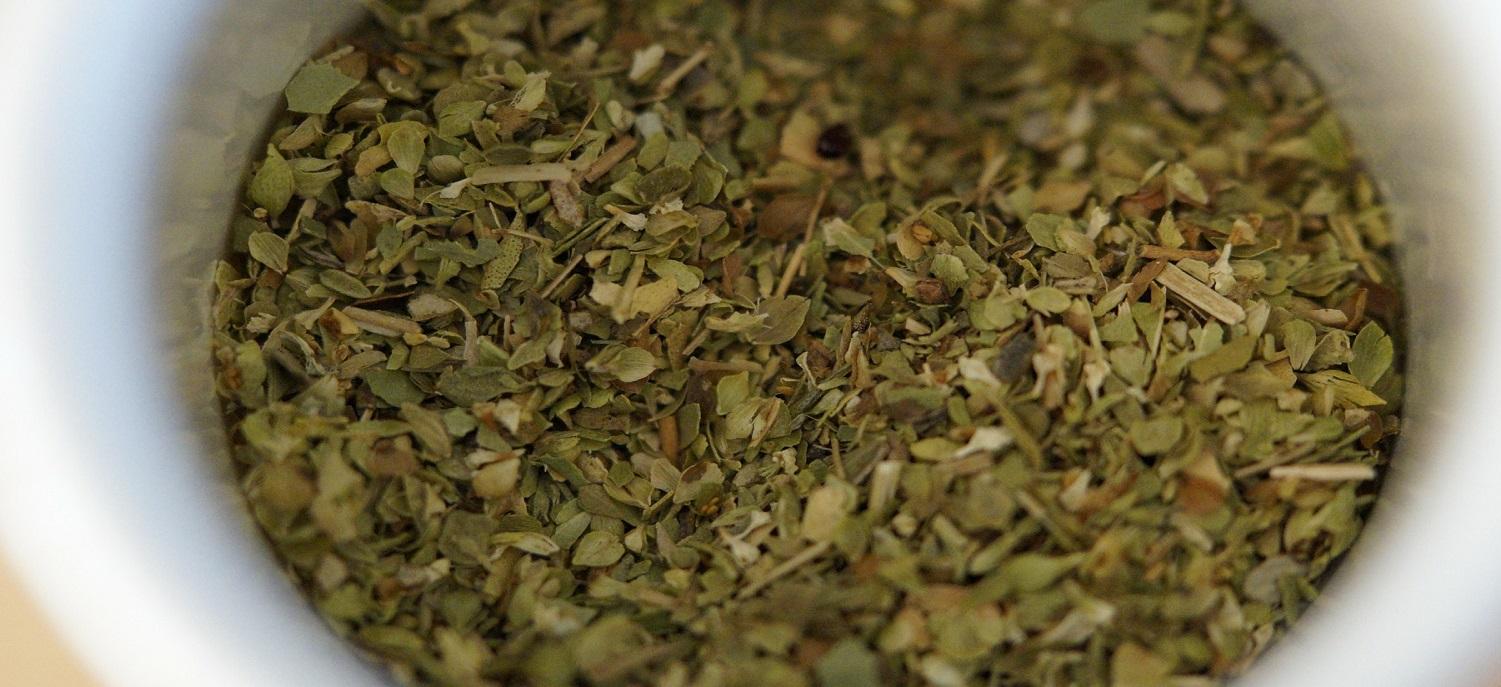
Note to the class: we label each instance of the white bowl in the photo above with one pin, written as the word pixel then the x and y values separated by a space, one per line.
pixel 127 127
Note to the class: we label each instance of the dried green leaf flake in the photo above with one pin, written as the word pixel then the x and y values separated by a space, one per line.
pixel 1122 22
pixel 344 284
pixel 393 387
pixel 465 537
pixel 1374 353
pixel 625 364
pixel 457 119
pixel 317 88
pixel 407 143
pixel 1044 229
pixel 781 319
pixel 598 550
pixel 850 663
pixel 664 184
pixel 499 269
pixel 1229 358
pixel 274 184
pixel 1186 183
pixel 1155 437
pixel 1048 300
pixel 270 250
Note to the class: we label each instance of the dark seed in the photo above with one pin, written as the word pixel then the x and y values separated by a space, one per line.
pixel 931 292
pixel 835 142
pixel 1015 357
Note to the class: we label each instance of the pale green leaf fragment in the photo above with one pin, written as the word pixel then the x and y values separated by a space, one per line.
pixel 345 284
pixel 1156 437
pixel 317 88
pixel 740 422
pixel 950 270
pixel 532 93
pixel 457 119
pixel 1261 582
pixel 1028 573
pixel 651 299
pixel 399 183
pixel 429 429
pixel 737 323
pixel 1120 22
pixel 1346 389
pixel 598 550
pixel 869 218
pixel 311 176
pixel 470 385
pixel 1167 232
pixel 968 635
pixel 653 151
pixel 1134 666
pixel 1374 351
pixel 1075 242
pixel 1171 23
pixel 459 421
pixel 626 364
pixel 274 183
pixel 1300 339
pixel 251 364
pixel 664 184
pixel 1132 364
pixel 484 251
pixel 850 663
pixel 465 537
pixel 500 269
pixel 843 236
pixel 571 529
pixel 1044 229
pixel 1322 201
pixel 530 352
pixel 338 144
pixel 1231 357
pixel 731 392
pixel 1119 329
pixel 1186 183
pixel 392 386
pixel 534 543
pixel 698 480
pixel 998 311
pixel 1327 142
pixel 1048 300
pixel 407 143
pixel 708 183
pixel 687 278
pixel 943 227
pixel 783 320
pixel 392 640
pixel 935 449
pixel 269 250
pixel 683 153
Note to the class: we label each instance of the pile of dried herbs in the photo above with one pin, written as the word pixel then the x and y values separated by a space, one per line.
pixel 701 342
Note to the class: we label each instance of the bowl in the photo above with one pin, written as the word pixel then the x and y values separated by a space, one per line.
pixel 128 127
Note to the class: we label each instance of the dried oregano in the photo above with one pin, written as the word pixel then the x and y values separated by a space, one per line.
pixel 698 342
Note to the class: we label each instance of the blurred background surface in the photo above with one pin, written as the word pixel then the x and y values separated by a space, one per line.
pixel 30 651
